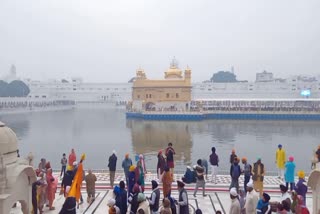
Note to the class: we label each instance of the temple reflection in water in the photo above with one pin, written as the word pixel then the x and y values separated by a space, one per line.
pixel 148 137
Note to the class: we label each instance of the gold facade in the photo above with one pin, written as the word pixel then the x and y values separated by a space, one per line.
pixel 175 87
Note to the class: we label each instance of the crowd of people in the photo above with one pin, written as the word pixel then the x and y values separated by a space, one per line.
pixel 247 199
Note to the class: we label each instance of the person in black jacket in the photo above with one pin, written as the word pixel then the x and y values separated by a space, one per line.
pixel 67 180
pixel 112 167
pixel 133 199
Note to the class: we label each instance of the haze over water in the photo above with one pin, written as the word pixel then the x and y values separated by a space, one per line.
pixel 97 131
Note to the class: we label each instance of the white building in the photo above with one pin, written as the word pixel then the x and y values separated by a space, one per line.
pixel 264 77
pixel 79 91
pixel 264 87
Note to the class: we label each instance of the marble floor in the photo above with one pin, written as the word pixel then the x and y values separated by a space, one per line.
pixel 217 195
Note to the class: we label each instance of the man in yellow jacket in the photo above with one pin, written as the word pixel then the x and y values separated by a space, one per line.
pixel 280 161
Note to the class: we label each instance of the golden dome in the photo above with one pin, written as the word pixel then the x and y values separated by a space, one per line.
pixel 173 72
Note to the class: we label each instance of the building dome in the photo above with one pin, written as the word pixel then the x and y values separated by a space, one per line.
pixel 8 140
pixel 173 72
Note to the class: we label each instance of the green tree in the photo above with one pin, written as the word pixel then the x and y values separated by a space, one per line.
pixel 224 76
pixel 17 88
pixel 3 88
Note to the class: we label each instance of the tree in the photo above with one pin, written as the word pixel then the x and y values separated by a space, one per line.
pixel 17 88
pixel 224 76
pixel 3 88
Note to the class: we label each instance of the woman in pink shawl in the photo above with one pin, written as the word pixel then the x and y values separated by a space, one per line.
pixel 72 157
pixel 51 188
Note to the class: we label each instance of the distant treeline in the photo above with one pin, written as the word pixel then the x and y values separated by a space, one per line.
pixel 16 88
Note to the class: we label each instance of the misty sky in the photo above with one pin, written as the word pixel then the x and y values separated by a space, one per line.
pixel 106 41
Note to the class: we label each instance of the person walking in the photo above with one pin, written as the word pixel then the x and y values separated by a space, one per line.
pixel 90 179
pixel 126 163
pixel 258 172
pixel 214 161
pixel 251 199
pixel 183 202
pixel 140 172
pixel 301 187
pixel 51 189
pixel 170 158
pixel 160 165
pixel 112 167
pixel 235 172
pixel 166 182
pixel 280 161
pixel 67 180
pixel 235 204
pixel 200 178
pixel 289 173
pixel 132 179
pixel 247 168
pixel 41 192
pixel 155 198
pixel 63 162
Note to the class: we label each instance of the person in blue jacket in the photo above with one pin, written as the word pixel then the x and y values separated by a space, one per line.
pixel 289 173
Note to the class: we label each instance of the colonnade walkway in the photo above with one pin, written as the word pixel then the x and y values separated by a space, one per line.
pixel 217 194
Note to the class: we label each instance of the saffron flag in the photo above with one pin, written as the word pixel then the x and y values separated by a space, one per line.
pixel 75 190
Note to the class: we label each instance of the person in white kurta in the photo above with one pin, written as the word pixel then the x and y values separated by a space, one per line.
pixel 235 204
pixel 251 199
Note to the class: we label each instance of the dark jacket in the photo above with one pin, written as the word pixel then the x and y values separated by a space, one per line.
pixel 235 171
pixel 214 159
pixel 301 188
pixel 161 163
pixel 155 206
pixel 69 206
pixel 169 153
pixel 112 162
pixel 184 209
pixel 134 203
pixel 121 201
pixel 67 179
pixel 132 181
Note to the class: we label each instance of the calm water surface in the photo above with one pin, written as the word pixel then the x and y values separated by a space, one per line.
pixel 97 131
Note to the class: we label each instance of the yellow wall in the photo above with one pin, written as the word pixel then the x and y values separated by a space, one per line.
pixel 167 90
